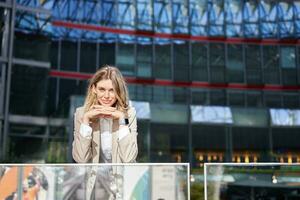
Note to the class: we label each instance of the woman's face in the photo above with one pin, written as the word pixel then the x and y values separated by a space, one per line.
pixel 105 93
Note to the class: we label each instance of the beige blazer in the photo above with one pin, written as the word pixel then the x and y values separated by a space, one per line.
pixel 88 150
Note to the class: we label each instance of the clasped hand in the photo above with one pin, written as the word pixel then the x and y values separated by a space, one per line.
pixel 98 111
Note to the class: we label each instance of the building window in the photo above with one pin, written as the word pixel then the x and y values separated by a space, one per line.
pixel 288 65
pixel 235 63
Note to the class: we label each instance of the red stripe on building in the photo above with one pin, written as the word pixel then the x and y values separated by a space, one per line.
pixel 70 75
pixel 145 33
pixel 159 82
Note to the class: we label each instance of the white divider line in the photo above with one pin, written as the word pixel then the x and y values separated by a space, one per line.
pixel 253 164
pixel 95 164
pixel 205 182
pixel 188 181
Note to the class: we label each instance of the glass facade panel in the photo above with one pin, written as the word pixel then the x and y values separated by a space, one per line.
pixel 268 14
pixel 169 113
pixel 234 17
pixel 180 16
pixel 209 143
pixel 163 16
pixel 181 61
pixel 28 94
pixel 34 146
pixel 272 100
pixel 68 50
pixel 144 58
pixel 250 117
pixel 169 143
pixel 162 94
pixel 3 16
pixel 199 65
pixel 52 98
pixel 251 19
pixel 180 95
pixel 216 18
pixel 162 62
pixel 107 54
pixel 125 58
pixel 88 54
pixel 245 145
pixel 54 53
pixel 285 148
pixel 211 114
pixel 285 117
pixel 217 97
pixel 144 93
pixel 236 98
pixel 126 14
pixel 67 88
pixel 271 65
pixel 285 14
pixel 217 63
pixel 144 14
pixel 288 65
pixel 291 100
pixel 253 64
pixel 235 63
pixel 287 57
pixel 254 99
pixel 199 11
pixel 200 96
pixel 143 141
pixel 38 47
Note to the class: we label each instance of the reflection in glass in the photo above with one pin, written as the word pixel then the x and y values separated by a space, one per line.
pixel 285 117
pixel 251 181
pixel 118 182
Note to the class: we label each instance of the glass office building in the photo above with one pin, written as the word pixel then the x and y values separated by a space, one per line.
pixel 212 80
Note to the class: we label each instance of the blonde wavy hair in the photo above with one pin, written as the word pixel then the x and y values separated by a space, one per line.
pixel 108 73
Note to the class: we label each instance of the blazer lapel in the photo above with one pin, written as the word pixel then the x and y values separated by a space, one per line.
pixel 96 141
pixel 115 136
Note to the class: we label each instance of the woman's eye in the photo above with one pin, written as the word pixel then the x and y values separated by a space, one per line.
pixel 101 89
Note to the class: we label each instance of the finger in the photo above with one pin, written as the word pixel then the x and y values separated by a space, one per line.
pixel 110 109
pixel 103 112
pixel 97 106
pixel 106 116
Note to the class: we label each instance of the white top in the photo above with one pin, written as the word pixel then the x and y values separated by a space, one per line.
pixel 106 137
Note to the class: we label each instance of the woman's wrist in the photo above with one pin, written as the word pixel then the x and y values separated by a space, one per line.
pixel 86 120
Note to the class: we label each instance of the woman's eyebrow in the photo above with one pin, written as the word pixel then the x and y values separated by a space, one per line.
pixel 100 87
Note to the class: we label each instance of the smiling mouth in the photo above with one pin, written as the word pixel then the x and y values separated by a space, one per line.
pixel 106 102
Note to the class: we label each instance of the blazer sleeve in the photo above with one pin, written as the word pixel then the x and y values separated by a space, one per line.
pixel 128 148
pixel 81 148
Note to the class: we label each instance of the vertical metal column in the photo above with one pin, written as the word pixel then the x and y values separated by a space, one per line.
pixel 58 79
pixel 270 153
pixel 190 132
pixel 148 140
pixel 78 52
pixel 97 55
pixel 4 54
pixel 8 80
pixel 229 146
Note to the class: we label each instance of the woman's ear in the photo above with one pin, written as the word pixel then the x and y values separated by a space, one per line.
pixel 94 89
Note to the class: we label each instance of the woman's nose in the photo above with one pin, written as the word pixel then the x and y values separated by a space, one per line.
pixel 106 94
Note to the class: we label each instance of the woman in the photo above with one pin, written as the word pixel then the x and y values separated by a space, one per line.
pixel 105 127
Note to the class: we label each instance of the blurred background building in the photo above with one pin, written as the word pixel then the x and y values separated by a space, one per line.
pixel 212 80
